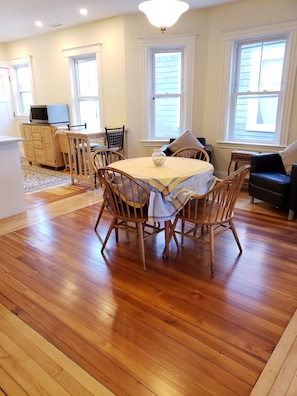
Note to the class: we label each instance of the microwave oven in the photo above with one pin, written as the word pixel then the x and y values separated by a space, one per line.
pixel 49 114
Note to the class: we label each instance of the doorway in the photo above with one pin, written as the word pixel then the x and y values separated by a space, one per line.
pixel 7 121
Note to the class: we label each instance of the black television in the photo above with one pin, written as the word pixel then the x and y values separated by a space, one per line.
pixel 49 114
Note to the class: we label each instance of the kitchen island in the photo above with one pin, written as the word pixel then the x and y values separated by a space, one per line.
pixel 12 196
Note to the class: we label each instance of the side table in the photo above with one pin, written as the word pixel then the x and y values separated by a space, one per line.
pixel 240 156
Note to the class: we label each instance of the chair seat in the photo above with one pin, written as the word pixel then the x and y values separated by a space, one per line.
pixel 95 146
pixel 273 181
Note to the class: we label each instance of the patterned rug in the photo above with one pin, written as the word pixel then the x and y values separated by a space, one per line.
pixel 37 178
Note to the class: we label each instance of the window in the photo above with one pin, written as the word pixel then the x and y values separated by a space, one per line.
pixel 257 95
pixel 166 93
pixel 167 76
pixel 84 66
pixel 20 71
pixel 86 90
pixel 256 91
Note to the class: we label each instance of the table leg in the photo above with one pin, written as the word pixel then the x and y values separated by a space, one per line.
pixel 168 235
pixel 167 229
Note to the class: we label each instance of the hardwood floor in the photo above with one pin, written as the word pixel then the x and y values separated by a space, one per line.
pixel 279 376
pixel 172 330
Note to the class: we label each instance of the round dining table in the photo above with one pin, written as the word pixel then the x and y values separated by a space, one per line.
pixel 170 185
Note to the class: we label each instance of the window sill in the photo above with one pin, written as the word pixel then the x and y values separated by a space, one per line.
pixel 154 143
pixel 249 146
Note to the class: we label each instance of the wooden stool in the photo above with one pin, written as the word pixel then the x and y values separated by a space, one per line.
pixel 240 156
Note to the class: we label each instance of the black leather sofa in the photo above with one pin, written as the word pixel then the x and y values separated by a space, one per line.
pixel 269 182
pixel 202 140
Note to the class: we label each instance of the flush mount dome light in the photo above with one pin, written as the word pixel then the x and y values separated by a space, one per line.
pixel 163 13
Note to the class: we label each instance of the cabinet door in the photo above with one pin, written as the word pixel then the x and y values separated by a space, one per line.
pixel 29 151
pixel 41 145
pixel 48 146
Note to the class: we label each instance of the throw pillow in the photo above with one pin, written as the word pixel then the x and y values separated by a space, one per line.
pixel 186 139
pixel 289 156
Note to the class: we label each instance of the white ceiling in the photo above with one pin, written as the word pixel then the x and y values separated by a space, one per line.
pixel 17 17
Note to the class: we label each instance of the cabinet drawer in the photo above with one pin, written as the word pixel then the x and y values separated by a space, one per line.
pixel 37 136
pixel 37 144
pixel 36 128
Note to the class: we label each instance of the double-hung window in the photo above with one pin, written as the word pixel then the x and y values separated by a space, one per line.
pixel 86 90
pixel 85 84
pixel 167 93
pixel 20 72
pixel 258 93
pixel 167 86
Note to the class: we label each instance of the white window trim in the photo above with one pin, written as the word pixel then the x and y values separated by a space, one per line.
pixel 12 63
pixel 70 53
pixel 168 42
pixel 287 28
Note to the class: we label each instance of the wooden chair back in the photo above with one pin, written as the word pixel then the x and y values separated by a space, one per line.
pixel 102 158
pixel 127 200
pixel 212 212
pixel 217 205
pixel 80 159
pixel 115 138
pixel 192 152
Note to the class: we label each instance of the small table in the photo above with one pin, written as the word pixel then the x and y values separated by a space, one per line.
pixel 171 185
pixel 240 156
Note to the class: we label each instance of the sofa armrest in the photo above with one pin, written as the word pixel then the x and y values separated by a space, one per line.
pixel 293 188
pixel 267 162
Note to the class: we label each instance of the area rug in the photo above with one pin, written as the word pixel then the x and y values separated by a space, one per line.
pixel 37 178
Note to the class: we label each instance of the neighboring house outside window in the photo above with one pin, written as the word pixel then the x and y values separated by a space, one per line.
pixel 84 73
pixel 258 94
pixel 167 86
pixel 21 82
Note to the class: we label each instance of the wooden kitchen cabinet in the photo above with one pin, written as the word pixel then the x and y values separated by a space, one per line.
pixel 41 145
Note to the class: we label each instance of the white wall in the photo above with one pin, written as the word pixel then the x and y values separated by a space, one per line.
pixel 121 64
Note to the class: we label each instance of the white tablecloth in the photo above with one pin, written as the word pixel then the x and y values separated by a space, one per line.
pixel 172 184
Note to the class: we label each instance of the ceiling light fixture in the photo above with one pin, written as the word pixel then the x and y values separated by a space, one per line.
pixel 38 23
pixel 163 13
pixel 83 11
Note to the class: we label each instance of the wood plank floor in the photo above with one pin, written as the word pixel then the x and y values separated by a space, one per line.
pixel 30 365
pixel 172 330
pixel 279 376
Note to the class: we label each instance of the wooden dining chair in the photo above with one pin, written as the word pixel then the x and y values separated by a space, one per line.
pixel 102 158
pixel 192 152
pixel 79 157
pixel 127 200
pixel 115 138
pixel 206 216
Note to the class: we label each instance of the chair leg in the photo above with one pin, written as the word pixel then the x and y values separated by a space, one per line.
pixel 211 248
pixel 108 233
pixel 182 231
pixel 235 235
pixel 99 215
pixel 291 214
pixel 141 244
